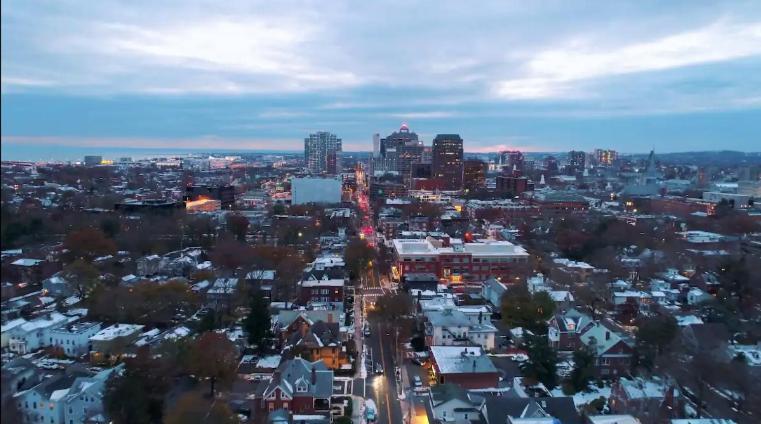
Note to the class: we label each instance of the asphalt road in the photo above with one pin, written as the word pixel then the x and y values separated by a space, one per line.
pixel 383 388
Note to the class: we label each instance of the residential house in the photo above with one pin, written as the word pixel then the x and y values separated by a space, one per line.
pixel 113 341
pixel 492 290
pixel 450 403
pixel 35 334
pixel 222 293
pixel 453 327
pixel 57 286
pixel 709 338
pixel 652 400
pixel 564 329
pixel 613 352
pixel 318 341
pixel 74 397
pixel 540 410
pixel 298 386
pixel 74 339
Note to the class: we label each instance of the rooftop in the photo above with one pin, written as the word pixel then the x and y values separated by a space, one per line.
pixel 461 360
pixel 115 331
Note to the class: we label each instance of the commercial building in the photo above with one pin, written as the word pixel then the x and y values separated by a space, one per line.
pixel 224 193
pixel 398 152
pixel 376 146
pixel 322 153
pixel 468 367
pixel 513 186
pixel 454 260
pixel 315 190
pixel 576 161
pixel 93 160
pixel 203 205
pixel 447 160
pixel 474 174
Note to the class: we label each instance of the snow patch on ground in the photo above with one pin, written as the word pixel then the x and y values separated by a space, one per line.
pixel 584 398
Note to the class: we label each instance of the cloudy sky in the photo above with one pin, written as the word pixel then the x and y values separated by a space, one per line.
pixel 542 76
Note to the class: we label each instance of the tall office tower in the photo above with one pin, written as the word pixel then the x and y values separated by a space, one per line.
pixel 474 174
pixel 447 161
pixel 427 154
pixel 576 160
pixel 376 146
pixel 322 153
pixel 400 150
pixel 605 157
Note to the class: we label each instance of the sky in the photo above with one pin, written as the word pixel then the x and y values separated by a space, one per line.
pixel 536 76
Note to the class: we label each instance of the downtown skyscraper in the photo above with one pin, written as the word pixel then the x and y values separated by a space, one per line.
pixel 322 153
pixel 447 165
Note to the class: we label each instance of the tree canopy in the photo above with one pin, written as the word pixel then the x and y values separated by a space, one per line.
pixel 522 309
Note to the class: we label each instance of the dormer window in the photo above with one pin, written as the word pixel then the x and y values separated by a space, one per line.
pixel 302 387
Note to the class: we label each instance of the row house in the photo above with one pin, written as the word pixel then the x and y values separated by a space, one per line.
pixel 68 398
pixel 27 336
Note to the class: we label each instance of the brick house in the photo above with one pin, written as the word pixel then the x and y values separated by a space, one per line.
pixel 466 366
pixel 613 352
pixel 298 386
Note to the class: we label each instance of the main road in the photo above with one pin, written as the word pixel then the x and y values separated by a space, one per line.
pixel 383 388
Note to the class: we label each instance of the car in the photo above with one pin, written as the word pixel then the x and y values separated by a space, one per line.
pixel 378 368
pixel 371 413
pixel 417 381
pixel 366 332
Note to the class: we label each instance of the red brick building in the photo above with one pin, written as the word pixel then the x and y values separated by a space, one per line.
pixel 454 260
pixel 298 386
pixel 466 366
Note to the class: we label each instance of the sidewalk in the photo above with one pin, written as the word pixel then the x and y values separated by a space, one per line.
pixel 358 410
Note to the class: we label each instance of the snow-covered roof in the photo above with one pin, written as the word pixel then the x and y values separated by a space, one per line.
pixel 461 360
pixel 116 330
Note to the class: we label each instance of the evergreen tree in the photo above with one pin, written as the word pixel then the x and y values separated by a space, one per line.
pixel 258 321
pixel 542 361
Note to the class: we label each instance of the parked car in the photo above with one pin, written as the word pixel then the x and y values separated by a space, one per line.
pixel 417 381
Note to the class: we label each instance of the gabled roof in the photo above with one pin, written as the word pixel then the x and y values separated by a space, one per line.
pixel 601 338
pixel 299 371
pixel 497 409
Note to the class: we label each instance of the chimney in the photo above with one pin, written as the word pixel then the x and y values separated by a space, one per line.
pixel 314 375
pixel 474 365
pixel 607 335
pixel 480 317
pixel 445 241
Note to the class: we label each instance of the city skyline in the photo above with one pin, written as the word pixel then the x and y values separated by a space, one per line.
pixel 629 77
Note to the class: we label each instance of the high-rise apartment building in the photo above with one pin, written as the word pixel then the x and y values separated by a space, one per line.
pixel 447 161
pixel 376 146
pixel 605 157
pixel 576 160
pixel 322 153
